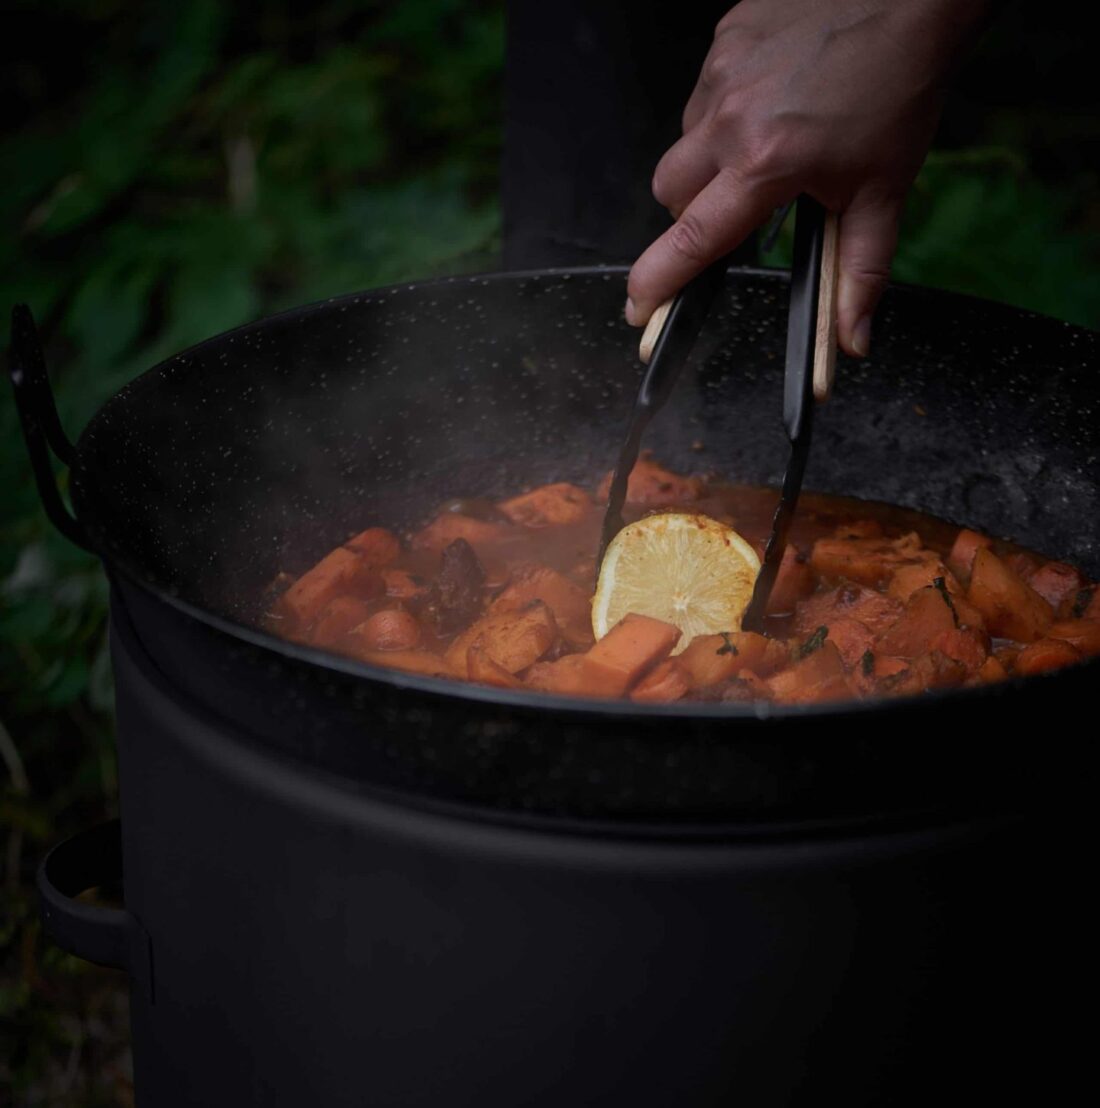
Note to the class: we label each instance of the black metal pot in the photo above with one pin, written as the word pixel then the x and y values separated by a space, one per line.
pixel 346 885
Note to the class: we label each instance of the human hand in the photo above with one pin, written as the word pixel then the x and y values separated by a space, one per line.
pixel 835 98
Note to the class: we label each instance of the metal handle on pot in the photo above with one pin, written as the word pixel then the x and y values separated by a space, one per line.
pixel 106 936
pixel 41 424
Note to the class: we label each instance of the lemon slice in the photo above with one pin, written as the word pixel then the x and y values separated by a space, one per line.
pixel 688 570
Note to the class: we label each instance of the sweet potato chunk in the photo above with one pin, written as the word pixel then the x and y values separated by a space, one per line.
pixel 907 579
pixel 991 670
pixel 965 645
pixel 1056 582
pixel 375 545
pixel 333 625
pixel 794 581
pixel 570 604
pixel 402 585
pixel 967 544
pixel 1046 654
pixel 926 615
pixel 1082 633
pixel 411 661
pixel 653 486
pixel 448 526
pixel 866 561
pixel 1092 609
pixel 390 629
pixel 819 676
pixel 513 640
pixel 666 682
pixel 1011 608
pixel 569 676
pixel 709 660
pixel 481 668
pixel 852 638
pixel 341 571
pixel 871 608
pixel 631 648
pixel 548 505
pixel 927 671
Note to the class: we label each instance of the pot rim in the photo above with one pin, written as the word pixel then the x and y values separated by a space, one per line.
pixel 531 700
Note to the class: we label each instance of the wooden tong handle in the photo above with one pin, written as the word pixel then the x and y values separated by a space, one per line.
pixel 825 339
pixel 652 330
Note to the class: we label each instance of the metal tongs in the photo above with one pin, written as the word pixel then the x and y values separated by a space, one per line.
pixel 810 364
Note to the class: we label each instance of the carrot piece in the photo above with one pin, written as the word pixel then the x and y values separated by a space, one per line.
pixel 375 545
pixel 852 638
pixel 339 571
pixel 851 601
pixel 337 621
pixel 513 640
pixel 794 581
pixel 907 579
pixel 448 526
pixel 711 659
pixel 485 671
pixel 410 661
pixel 654 486
pixel 1046 654
pixel 867 561
pixel 548 505
pixel 571 605
pixel 818 676
pixel 1011 608
pixel 1056 583
pixel 402 585
pixel 391 629
pixel 926 615
pixel 632 647
pixel 1081 633
pixel 967 544
pixel 665 682
pixel 965 645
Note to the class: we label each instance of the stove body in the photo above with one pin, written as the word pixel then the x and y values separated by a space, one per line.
pixel 313 945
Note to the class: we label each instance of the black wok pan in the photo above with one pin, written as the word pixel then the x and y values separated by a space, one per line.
pixel 260 449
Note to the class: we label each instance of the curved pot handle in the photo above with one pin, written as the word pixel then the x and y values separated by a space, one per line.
pixel 42 428
pixel 107 936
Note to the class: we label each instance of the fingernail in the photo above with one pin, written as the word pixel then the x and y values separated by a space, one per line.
pixel 861 336
pixel 629 312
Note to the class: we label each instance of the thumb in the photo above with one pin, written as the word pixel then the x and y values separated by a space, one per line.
pixel 868 236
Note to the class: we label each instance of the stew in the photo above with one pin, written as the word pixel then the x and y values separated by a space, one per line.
pixel 871 600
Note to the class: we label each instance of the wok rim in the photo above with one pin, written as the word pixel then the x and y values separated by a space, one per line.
pixel 526 700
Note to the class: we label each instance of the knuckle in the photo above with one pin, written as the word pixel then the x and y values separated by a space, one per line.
pixel 687 237
pixel 717 69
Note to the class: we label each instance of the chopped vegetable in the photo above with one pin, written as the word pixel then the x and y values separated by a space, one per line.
pixel 500 593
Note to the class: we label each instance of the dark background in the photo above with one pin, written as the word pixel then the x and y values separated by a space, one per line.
pixel 173 169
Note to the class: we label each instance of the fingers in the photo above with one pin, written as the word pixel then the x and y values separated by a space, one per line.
pixel 868 237
pixel 720 217
pixel 687 167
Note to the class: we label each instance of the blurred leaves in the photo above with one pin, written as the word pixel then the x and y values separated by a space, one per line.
pixel 977 221
pixel 182 169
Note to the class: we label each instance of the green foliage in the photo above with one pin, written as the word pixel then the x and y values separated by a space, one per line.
pixel 977 221
pixel 204 167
